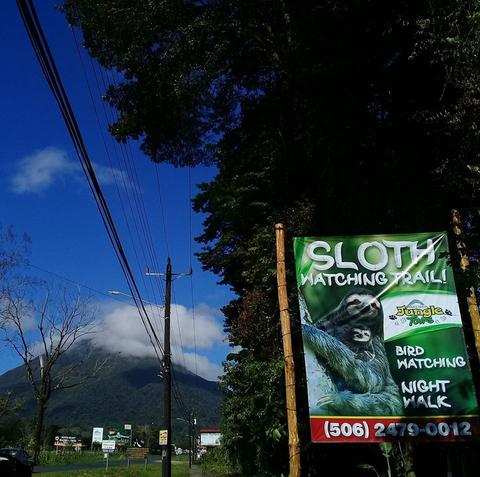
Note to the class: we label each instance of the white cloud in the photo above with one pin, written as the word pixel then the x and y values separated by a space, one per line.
pixel 38 171
pixel 201 364
pixel 43 168
pixel 206 331
pixel 107 175
pixel 119 329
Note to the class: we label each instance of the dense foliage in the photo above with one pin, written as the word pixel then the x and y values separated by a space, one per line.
pixel 331 117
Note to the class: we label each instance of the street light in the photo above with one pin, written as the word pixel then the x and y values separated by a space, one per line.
pixel 190 438
pixel 167 372
pixel 116 292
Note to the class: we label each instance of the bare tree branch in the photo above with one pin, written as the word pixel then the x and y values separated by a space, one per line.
pixel 8 405
pixel 66 379
pixel 39 330
pixel 62 319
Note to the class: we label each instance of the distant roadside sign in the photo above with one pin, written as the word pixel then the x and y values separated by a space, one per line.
pixel 163 438
pixel 108 446
pixel 120 436
pixel 128 427
pixel 97 435
pixel 68 441
pixel 210 439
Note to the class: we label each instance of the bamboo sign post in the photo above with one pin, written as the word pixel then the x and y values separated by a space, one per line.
pixel 293 440
pixel 464 263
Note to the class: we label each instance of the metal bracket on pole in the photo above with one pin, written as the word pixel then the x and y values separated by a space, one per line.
pixel 148 273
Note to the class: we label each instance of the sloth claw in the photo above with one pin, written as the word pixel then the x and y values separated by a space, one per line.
pixel 325 400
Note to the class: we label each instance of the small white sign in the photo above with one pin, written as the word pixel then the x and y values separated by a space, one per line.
pixel 97 435
pixel 108 446
pixel 128 427
pixel 210 439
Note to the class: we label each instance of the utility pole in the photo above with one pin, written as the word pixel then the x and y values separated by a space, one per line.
pixel 167 367
pixel 167 379
pixel 190 437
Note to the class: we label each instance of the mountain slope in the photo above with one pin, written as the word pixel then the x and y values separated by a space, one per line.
pixel 126 390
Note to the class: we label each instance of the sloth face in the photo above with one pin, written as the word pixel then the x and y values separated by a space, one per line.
pixel 361 335
pixel 366 306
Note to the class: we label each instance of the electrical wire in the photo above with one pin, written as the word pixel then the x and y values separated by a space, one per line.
pixel 45 58
pixel 177 320
pixel 47 63
pixel 190 242
pixel 73 282
pixel 129 165
pixel 127 187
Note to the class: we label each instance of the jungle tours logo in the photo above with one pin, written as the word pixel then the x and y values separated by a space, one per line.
pixel 418 313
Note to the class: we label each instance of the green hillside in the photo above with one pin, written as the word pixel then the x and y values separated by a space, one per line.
pixel 127 390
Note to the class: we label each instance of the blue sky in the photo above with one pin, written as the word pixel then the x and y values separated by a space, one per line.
pixel 43 192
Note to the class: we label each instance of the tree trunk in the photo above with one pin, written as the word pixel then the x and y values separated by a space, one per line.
pixel 37 435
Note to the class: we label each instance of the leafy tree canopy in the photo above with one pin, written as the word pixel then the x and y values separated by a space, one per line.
pixel 331 117
pixel 367 103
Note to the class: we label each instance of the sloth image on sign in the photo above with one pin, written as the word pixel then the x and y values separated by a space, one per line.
pixel 346 352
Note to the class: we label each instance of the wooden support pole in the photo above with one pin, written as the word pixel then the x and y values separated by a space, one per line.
pixel 293 440
pixel 464 263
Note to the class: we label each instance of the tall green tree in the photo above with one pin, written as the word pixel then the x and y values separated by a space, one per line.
pixel 331 117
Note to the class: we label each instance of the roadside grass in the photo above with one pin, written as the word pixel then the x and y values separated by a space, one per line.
pixel 182 457
pixel 90 457
pixel 178 470
pixel 84 457
pixel 216 463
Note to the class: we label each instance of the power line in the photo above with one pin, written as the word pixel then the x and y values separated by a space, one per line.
pixel 175 388
pixel 190 242
pixel 179 332
pixel 176 392
pixel 45 58
pixel 64 278
pixel 162 209
pixel 47 63
pixel 133 196
pixel 147 233
pixel 126 188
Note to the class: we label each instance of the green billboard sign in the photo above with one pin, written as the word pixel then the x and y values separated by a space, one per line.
pixel 385 353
